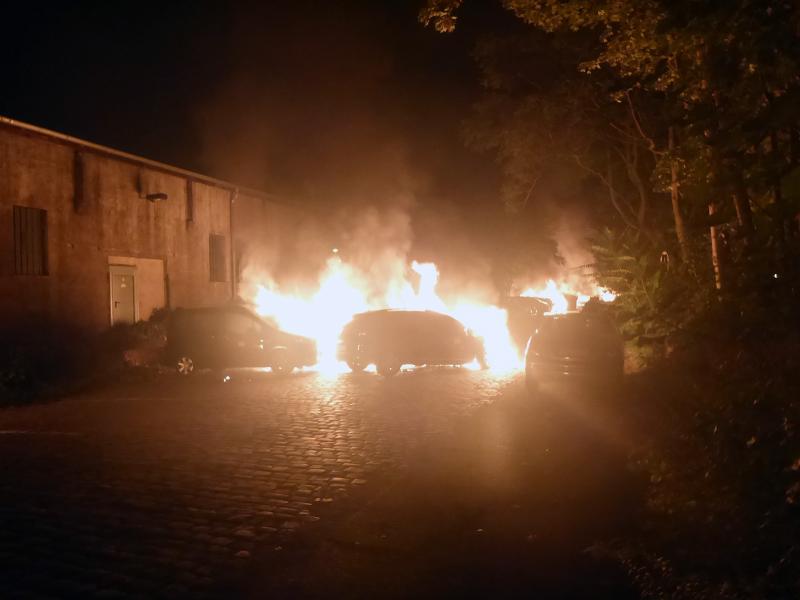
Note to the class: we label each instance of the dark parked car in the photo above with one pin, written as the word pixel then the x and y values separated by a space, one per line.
pixel 232 337
pixel 393 338
pixel 580 347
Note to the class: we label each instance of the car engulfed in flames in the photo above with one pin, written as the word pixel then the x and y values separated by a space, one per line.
pixel 390 339
pixel 344 291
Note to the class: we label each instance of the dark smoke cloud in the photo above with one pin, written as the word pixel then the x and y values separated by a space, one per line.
pixel 354 111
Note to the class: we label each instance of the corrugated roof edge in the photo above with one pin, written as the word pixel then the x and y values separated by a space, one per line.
pixel 133 158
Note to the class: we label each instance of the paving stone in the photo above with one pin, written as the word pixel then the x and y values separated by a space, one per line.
pixel 244 533
pixel 221 541
pixel 160 480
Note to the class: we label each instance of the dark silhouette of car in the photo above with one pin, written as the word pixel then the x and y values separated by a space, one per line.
pixel 232 337
pixel 581 347
pixel 390 339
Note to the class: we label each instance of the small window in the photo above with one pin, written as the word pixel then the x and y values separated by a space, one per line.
pixel 30 241
pixel 216 257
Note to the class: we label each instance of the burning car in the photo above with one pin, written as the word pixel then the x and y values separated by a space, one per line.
pixel 580 347
pixel 232 337
pixel 390 339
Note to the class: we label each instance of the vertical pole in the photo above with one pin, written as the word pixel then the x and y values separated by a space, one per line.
pixel 741 202
pixel 680 228
pixel 715 262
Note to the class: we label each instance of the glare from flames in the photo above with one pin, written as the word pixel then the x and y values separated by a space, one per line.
pixel 557 294
pixel 343 292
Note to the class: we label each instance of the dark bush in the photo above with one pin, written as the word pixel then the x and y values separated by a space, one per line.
pixel 40 357
pixel 721 450
pixel 37 354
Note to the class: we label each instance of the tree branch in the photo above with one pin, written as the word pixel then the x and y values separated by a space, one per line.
pixel 612 192
pixel 632 168
pixel 635 116
pixel 530 191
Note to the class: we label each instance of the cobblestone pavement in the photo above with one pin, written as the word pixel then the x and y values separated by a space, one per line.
pixel 176 488
pixel 524 497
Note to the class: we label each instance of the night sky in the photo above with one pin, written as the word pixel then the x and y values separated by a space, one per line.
pixel 310 99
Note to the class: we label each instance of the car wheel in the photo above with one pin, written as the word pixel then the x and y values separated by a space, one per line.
pixel 185 365
pixel 355 366
pixel 388 369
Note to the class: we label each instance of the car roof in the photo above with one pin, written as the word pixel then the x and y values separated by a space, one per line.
pixel 399 316
pixel 567 316
pixel 398 311
pixel 527 301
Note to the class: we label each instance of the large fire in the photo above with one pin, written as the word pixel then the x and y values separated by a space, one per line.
pixel 344 291
pixel 558 295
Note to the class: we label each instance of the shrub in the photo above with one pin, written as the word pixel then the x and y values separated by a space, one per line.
pixel 37 354
pixel 41 357
pixel 722 454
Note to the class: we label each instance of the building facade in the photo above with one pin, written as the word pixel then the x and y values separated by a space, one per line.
pixel 93 236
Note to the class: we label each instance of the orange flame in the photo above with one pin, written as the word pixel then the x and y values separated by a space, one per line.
pixel 343 292
pixel 552 292
pixel 557 294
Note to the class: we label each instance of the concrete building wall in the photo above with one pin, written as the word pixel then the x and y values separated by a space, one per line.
pixel 98 215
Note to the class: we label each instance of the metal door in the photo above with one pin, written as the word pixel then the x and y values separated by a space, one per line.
pixel 123 294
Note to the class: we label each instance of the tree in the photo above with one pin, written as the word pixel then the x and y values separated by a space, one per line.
pixel 706 92
pixel 726 77
pixel 545 120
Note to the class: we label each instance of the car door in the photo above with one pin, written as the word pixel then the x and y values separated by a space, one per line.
pixel 455 345
pixel 242 340
pixel 432 338
pixel 272 342
pixel 412 337
pixel 206 330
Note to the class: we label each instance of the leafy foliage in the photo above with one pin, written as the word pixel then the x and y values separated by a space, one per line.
pixel 721 453
pixel 652 293
pixel 440 13
pixel 680 122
